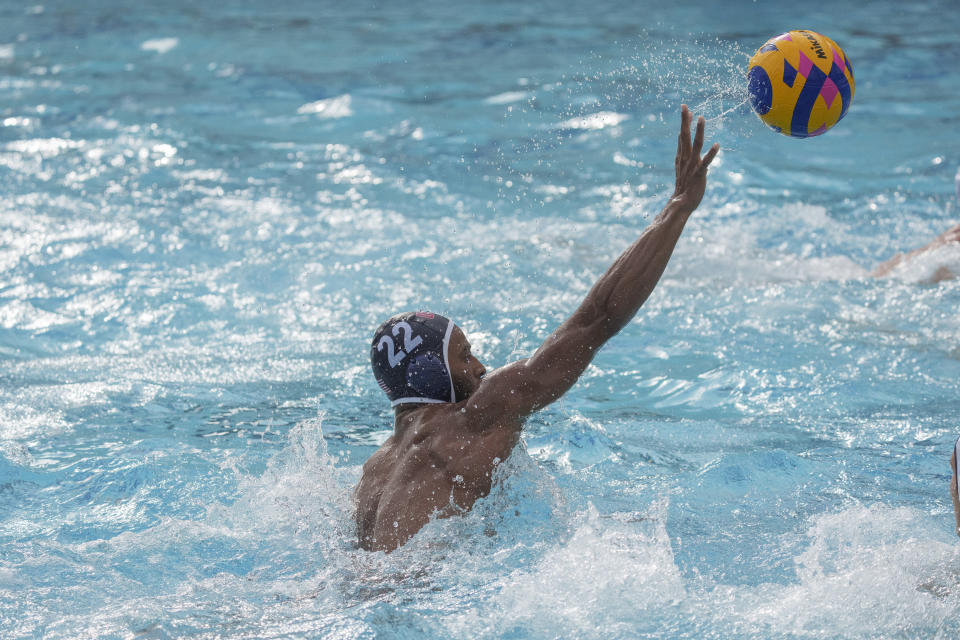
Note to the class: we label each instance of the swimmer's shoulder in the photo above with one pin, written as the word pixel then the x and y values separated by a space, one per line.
pixel 460 442
pixel 437 435
pixel 377 470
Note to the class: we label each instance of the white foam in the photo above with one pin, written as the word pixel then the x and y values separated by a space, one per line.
pixel 338 107
pixel 937 264
pixel 19 421
pixel 206 175
pixel 870 571
pixel 875 571
pixel 733 252
pixel 160 45
pixel 609 576
pixel 21 314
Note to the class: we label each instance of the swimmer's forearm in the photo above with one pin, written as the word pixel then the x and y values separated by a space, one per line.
pixel 622 290
pixel 619 293
pixel 616 297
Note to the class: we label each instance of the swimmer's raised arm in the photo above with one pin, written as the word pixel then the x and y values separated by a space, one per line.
pixel 518 389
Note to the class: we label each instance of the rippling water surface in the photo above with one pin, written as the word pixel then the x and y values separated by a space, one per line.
pixel 207 209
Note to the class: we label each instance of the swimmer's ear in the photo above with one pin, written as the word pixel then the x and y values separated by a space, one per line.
pixel 427 375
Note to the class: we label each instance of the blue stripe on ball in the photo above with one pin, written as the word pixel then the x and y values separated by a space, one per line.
pixel 843 86
pixel 804 107
pixel 761 91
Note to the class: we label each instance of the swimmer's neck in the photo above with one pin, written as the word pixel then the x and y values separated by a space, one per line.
pixel 405 415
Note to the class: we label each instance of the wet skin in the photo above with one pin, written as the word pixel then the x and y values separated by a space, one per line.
pixel 434 465
pixel 950 236
pixel 441 457
pixel 954 494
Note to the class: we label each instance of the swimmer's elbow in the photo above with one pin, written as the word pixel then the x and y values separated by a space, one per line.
pixel 591 325
pixel 547 381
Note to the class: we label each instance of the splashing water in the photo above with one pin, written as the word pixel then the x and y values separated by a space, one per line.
pixel 208 209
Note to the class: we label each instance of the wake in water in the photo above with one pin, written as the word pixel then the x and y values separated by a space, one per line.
pixel 531 558
pixel 536 559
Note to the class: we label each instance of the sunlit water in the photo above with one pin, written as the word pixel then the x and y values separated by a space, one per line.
pixel 207 208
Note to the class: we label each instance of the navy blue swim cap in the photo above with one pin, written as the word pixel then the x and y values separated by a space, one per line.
pixel 409 358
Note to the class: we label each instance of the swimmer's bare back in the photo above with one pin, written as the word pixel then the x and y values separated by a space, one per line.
pixel 441 457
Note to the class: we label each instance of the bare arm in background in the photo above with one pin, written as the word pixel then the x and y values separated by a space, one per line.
pixel 947 237
pixel 954 492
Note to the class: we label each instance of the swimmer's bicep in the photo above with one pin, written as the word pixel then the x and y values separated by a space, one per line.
pixel 511 393
pixel 505 397
pixel 562 359
pixel 515 391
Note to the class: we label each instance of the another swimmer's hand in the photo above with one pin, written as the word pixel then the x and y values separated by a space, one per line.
pixel 691 168
pixel 948 237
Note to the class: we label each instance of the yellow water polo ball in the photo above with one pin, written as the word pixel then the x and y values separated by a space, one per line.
pixel 800 83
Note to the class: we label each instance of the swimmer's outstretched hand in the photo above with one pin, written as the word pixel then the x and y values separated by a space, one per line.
pixel 691 168
pixel 947 237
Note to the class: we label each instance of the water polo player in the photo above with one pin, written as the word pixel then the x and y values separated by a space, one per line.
pixel 454 422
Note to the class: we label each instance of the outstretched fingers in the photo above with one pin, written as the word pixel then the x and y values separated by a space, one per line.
pixel 683 148
pixel 691 168
pixel 678 161
pixel 711 154
pixel 689 151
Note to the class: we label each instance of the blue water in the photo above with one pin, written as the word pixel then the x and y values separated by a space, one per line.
pixel 207 208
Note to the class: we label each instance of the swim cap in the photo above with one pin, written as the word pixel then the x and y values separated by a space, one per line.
pixel 409 358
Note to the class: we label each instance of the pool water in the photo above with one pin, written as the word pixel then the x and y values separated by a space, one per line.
pixel 207 209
